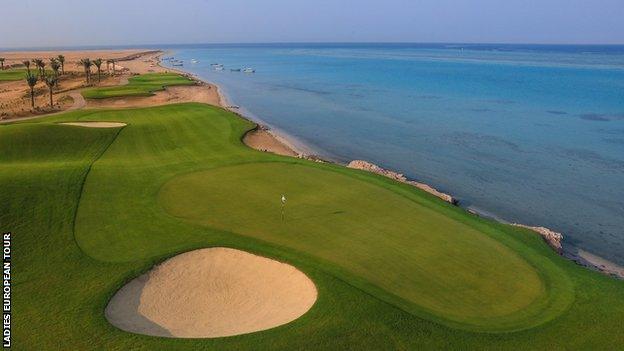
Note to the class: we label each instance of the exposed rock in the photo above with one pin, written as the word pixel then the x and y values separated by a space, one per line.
pixel 370 167
pixel 551 237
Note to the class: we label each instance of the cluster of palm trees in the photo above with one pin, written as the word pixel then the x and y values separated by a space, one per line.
pixel 86 64
pixel 50 79
pixel 57 64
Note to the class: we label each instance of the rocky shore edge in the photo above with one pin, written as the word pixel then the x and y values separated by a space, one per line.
pixel 371 167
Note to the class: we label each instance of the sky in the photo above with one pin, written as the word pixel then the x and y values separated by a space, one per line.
pixel 58 23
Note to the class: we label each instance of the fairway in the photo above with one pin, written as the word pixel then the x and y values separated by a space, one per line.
pixel 395 268
pixel 143 85
pixel 14 74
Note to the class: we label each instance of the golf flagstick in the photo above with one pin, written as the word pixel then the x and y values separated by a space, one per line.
pixel 283 204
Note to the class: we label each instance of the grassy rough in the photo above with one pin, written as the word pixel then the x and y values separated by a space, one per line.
pixel 92 208
pixel 143 85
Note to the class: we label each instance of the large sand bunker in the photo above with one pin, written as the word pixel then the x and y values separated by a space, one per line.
pixel 95 124
pixel 212 293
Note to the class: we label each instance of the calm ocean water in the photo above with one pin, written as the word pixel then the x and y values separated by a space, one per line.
pixel 524 133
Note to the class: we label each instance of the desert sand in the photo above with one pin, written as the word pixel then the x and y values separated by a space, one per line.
pixel 13 57
pixel 15 95
pixel 212 293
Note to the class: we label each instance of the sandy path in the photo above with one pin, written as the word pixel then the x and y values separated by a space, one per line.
pixel 78 103
pixel 212 292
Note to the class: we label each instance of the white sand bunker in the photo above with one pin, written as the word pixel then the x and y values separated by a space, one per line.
pixel 212 293
pixel 96 124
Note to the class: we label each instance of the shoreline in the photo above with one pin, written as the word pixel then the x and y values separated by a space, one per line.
pixel 553 239
pixel 289 147
pixel 267 138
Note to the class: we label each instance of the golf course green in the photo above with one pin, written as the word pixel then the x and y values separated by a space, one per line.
pixel 395 268
pixel 142 85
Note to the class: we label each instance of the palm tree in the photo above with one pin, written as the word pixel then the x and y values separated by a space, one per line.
pixel 1 63
pixel 86 64
pixel 55 66
pixel 31 79
pixel 27 65
pixel 98 65
pixel 61 59
pixel 40 66
pixel 51 81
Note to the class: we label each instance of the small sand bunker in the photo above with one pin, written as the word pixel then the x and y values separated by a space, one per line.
pixel 96 124
pixel 211 293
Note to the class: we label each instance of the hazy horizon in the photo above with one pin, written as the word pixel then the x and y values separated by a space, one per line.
pixel 156 46
pixel 68 23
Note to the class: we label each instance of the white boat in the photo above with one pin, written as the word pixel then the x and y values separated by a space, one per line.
pixel 218 68
pixel 249 70
pixel 194 61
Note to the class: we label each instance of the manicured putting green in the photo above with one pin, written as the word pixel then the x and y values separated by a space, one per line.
pixel 143 85
pixel 430 260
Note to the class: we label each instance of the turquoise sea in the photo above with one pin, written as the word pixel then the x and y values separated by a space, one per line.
pixel 523 133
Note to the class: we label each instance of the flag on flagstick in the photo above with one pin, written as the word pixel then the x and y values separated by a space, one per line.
pixel 283 203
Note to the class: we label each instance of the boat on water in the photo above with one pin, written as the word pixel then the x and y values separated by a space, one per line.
pixel 216 64
pixel 177 64
pixel 194 61
pixel 235 69
pixel 218 68
pixel 249 70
